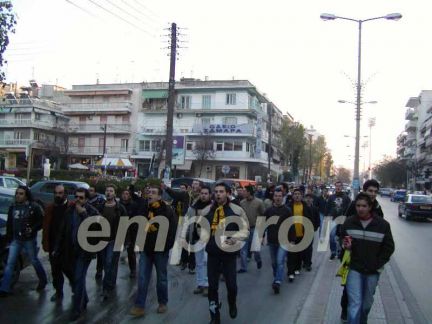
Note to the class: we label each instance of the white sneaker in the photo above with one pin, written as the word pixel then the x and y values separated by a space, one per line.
pixel 291 278
pixel 296 272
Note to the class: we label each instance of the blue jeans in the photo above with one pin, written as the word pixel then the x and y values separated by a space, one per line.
pixel 277 254
pixel 334 245
pixel 31 249
pixel 110 264
pixel 361 290
pixel 321 223
pixel 146 262
pixel 201 268
pixel 245 249
pixel 80 297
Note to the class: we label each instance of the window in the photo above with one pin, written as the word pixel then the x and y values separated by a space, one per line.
pixel 230 121
pixel 155 145
pixel 124 144
pixel 125 119
pixel 206 101
pixel 103 119
pixel 69 189
pixel 184 130
pixel 228 146
pixel 49 187
pixel 247 147
pixel 11 183
pixel 5 202
pixel 238 146
pixel 205 121
pixel 185 102
pixel 38 136
pixel 219 146
pixel 230 99
pixel 82 119
pixel 101 144
pixel 18 135
pixel 37 116
pixel 81 144
pixel 144 146
pixel 2 116
pixel 189 146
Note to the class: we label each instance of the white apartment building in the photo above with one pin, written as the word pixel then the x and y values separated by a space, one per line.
pixel 230 119
pixel 28 122
pixel 102 120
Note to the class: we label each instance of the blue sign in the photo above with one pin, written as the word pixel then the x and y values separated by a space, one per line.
pixel 355 184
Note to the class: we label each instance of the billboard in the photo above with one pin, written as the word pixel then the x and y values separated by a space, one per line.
pixel 178 150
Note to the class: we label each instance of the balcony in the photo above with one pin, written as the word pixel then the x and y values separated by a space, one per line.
pixel 98 108
pixel 411 125
pixel 99 128
pixel 111 151
pixel 153 130
pixel 15 142
pixel 410 114
pixel 409 151
pixel 410 138
pixel 32 123
pixel 31 102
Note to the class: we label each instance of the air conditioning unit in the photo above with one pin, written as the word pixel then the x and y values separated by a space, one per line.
pixel 179 115
pixel 208 168
pixel 198 115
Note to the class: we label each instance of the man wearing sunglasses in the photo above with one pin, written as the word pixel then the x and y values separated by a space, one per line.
pixel 67 247
pixel 23 222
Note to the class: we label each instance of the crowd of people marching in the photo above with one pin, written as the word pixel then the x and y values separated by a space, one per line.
pixel 362 239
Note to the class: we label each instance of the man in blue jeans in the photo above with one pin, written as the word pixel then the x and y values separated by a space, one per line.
pixel 149 256
pixel 23 222
pixel 277 251
pixel 370 240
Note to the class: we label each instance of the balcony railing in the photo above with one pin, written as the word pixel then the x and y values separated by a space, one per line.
pixel 31 102
pixel 15 142
pixel 411 125
pixel 99 128
pixel 97 150
pixel 31 122
pixel 78 108
pixel 409 114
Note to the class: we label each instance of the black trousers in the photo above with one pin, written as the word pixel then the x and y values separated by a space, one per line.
pixel 225 264
pixel 99 262
pixel 188 258
pixel 131 257
pixel 344 301
pixel 58 272
pixel 294 259
pixel 306 255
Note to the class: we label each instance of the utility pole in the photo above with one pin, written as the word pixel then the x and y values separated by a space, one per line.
pixel 104 148
pixel 310 158
pixel 171 99
pixel 371 124
pixel 270 113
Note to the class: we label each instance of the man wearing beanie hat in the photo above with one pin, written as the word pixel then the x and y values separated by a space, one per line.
pixel 253 208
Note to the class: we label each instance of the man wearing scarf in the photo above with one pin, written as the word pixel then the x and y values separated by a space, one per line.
pixel 222 256
pixel 150 257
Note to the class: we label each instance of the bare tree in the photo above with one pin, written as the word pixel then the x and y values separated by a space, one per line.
pixel 204 150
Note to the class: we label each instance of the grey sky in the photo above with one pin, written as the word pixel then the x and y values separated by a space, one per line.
pixel 303 63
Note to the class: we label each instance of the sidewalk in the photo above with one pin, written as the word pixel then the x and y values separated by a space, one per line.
pixel 323 302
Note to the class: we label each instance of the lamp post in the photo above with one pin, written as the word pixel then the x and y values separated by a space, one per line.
pixel 371 124
pixel 326 16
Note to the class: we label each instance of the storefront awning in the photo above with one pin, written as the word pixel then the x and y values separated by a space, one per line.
pixel 116 163
pixel 155 94
pixel 186 166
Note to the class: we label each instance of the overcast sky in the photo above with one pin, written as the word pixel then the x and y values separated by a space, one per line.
pixel 304 65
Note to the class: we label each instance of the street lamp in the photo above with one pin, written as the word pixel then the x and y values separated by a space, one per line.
pixel 326 16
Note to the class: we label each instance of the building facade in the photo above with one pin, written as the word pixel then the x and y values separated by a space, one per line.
pixel 221 129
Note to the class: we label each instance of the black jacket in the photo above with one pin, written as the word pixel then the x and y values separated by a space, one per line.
pixel 337 205
pixel 28 225
pixel 322 205
pixel 150 242
pixel 120 211
pixel 371 246
pixel 307 212
pixel 273 230
pixel 181 201
pixel 315 217
pixel 65 247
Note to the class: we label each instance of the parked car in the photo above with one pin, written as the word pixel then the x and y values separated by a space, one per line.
pixel 385 192
pixel 415 206
pixel 7 197
pixel 398 195
pixel 10 182
pixel 43 191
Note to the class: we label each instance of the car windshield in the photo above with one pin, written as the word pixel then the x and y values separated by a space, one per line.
pixel 421 199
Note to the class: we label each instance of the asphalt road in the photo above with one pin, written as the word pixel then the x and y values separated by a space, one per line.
pixel 413 257
pixel 256 301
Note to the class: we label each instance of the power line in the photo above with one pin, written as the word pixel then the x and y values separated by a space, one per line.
pixel 141 5
pixel 124 11
pixel 81 8
pixel 139 11
pixel 119 17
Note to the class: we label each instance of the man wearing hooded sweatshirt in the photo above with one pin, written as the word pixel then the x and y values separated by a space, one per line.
pixel 223 249
pixel 337 205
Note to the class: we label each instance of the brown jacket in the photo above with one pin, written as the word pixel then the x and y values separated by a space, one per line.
pixel 49 210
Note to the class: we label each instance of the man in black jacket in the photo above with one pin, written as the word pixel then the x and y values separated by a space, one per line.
pixel 70 251
pixel 322 207
pixel 370 240
pixel 131 210
pixel 337 205
pixel 295 259
pixel 149 256
pixel 23 222
pixel 277 251
pixel 111 211
pixel 221 260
